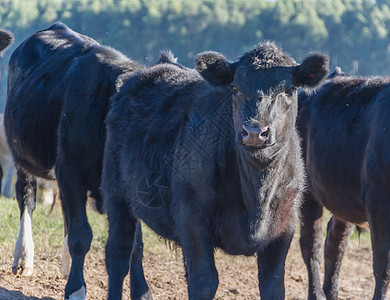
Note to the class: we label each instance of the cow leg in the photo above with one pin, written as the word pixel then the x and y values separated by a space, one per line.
pixel 26 187
pixel 336 243
pixel 138 286
pixel 378 208
pixel 311 242
pixel 122 228
pixel 271 262
pixel 198 252
pixel 73 194
pixel 66 259
pixel 7 183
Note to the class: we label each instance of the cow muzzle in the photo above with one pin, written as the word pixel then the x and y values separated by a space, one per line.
pixel 255 136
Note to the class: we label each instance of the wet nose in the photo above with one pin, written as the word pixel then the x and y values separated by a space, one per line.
pixel 254 136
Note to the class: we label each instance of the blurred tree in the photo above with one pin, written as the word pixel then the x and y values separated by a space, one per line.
pixel 353 32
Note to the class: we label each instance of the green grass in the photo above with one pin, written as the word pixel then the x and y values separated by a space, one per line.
pixel 48 228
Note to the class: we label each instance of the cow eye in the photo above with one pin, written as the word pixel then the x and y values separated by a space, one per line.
pixel 289 91
pixel 235 89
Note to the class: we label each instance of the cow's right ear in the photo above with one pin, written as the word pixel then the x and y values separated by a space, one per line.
pixel 214 68
pixel 6 39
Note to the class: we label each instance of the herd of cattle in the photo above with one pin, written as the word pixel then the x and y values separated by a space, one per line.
pixel 227 155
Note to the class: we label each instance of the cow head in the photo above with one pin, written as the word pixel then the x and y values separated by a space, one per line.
pixel 263 85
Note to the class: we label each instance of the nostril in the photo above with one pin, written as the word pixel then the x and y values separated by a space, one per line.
pixel 244 131
pixel 265 132
pixel 254 136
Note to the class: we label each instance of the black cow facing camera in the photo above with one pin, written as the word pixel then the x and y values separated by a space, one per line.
pixel 208 158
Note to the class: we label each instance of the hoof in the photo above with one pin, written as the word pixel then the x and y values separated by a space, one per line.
pixel 147 296
pixel 77 295
pixel 24 271
pixel 27 272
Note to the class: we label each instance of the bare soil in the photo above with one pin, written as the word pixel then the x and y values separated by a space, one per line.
pixel 165 275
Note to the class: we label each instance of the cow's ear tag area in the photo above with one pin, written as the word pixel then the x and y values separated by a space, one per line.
pixel 214 68
pixel 312 70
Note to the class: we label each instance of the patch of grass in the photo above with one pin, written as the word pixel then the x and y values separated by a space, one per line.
pixel 48 229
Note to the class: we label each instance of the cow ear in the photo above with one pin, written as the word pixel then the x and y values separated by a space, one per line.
pixel 214 68
pixel 312 70
pixel 6 39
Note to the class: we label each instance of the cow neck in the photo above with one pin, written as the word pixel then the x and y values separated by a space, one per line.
pixel 258 175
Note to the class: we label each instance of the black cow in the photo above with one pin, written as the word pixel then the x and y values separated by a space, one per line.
pixel 6 39
pixel 207 160
pixel 59 85
pixel 346 143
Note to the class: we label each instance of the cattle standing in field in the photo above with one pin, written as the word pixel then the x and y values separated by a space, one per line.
pixel 6 39
pixel 207 160
pixel 59 84
pixel 346 142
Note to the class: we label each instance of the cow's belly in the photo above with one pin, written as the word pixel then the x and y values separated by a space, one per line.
pixel 32 137
pixel 340 193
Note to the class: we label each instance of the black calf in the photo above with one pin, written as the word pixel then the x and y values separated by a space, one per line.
pixel 345 129
pixel 181 154
pixel 59 85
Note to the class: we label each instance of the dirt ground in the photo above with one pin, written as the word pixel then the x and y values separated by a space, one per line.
pixel 165 275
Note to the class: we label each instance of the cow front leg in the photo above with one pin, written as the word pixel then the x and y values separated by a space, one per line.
pixel 271 262
pixel 198 252
pixel 335 245
pixel 73 194
pixel 26 187
pixel 311 242
pixel 122 229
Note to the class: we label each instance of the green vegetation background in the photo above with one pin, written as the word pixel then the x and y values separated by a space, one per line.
pixel 355 33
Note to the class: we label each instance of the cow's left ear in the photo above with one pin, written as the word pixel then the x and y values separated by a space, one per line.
pixel 214 68
pixel 312 70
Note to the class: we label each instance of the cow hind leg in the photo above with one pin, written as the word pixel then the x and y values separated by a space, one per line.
pixel 7 186
pixel 378 212
pixel 138 286
pixel 335 245
pixel 66 259
pixel 26 187
pixel 311 242
pixel 74 195
pixel 122 229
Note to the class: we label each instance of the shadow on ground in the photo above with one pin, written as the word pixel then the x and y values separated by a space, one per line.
pixel 17 295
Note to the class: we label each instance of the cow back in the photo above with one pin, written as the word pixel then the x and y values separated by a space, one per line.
pixel 59 74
